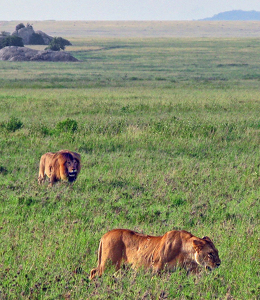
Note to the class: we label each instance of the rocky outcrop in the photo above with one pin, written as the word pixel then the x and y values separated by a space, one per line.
pixel 47 38
pixel 25 33
pixel 28 35
pixel 14 53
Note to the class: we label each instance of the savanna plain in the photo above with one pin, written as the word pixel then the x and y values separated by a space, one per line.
pixel 168 130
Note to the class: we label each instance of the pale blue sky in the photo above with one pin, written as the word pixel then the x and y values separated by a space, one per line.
pixel 119 9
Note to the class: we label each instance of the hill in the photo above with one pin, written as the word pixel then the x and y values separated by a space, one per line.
pixel 235 15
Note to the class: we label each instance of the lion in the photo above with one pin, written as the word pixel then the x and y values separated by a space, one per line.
pixel 177 248
pixel 61 165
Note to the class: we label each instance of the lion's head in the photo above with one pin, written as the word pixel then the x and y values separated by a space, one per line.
pixel 69 166
pixel 72 168
pixel 205 253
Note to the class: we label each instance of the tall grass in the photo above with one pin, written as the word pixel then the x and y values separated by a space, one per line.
pixel 156 155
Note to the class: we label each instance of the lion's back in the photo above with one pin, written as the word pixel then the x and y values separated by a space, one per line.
pixel 47 158
pixel 120 238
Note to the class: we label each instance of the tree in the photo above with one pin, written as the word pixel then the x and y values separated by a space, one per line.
pixel 19 26
pixel 4 33
pixel 58 43
pixel 11 40
pixel 36 39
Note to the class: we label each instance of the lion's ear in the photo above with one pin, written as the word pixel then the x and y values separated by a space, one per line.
pixel 206 238
pixel 197 245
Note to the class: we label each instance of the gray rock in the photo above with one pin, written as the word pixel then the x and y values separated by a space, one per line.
pixel 47 38
pixel 14 53
pixel 25 33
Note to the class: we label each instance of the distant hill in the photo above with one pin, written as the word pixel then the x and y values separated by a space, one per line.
pixel 235 15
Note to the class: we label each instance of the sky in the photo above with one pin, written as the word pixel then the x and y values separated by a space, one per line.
pixel 119 9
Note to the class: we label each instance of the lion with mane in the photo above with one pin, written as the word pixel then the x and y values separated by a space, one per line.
pixel 175 248
pixel 61 165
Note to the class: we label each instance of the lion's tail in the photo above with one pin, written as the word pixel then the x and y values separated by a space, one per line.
pixel 93 272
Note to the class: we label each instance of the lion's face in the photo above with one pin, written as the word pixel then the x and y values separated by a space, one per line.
pixel 206 254
pixel 71 166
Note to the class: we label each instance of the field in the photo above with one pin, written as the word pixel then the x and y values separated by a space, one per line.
pixel 141 29
pixel 169 134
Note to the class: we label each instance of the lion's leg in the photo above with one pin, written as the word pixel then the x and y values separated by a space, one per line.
pixel 41 179
pixel 158 267
pixel 193 270
pixel 101 268
pixel 114 255
pixel 53 179
pixel 41 176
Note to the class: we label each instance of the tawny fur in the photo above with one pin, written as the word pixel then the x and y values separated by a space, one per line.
pixel 174 248
pixel 62 165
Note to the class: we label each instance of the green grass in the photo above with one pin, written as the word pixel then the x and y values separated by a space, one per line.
pixel 132 62
pixel 169 134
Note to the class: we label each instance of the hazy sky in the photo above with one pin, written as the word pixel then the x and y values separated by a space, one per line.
pixel 119 9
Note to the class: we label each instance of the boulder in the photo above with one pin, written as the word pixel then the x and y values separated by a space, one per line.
pixel 25 33
pixel 47 38
pixel 14 53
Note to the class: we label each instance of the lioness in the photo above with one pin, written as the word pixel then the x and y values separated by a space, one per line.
pixel 174 248
pixel 62 165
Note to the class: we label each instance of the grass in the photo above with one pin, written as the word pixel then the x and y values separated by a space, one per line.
pixel 169 136
pixel 141 29
pixel 157 62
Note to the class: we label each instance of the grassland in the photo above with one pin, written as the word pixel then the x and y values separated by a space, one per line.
pixel 168 130
pixel 142 29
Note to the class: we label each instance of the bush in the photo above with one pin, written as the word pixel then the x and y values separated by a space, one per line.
pixel 19 26
pixel 11 40
pixel 4 33
pixel 64 41
pixel 67 125
pixel 58 43
pixel 13 124
pixel 36 39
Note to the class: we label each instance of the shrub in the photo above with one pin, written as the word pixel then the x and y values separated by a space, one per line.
pixel 19 26
pixel 67 125
pixel 58 43
pixel 13 124
pixel 4 33
pixel 36 39
pixel 11 40
pixel 65 42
